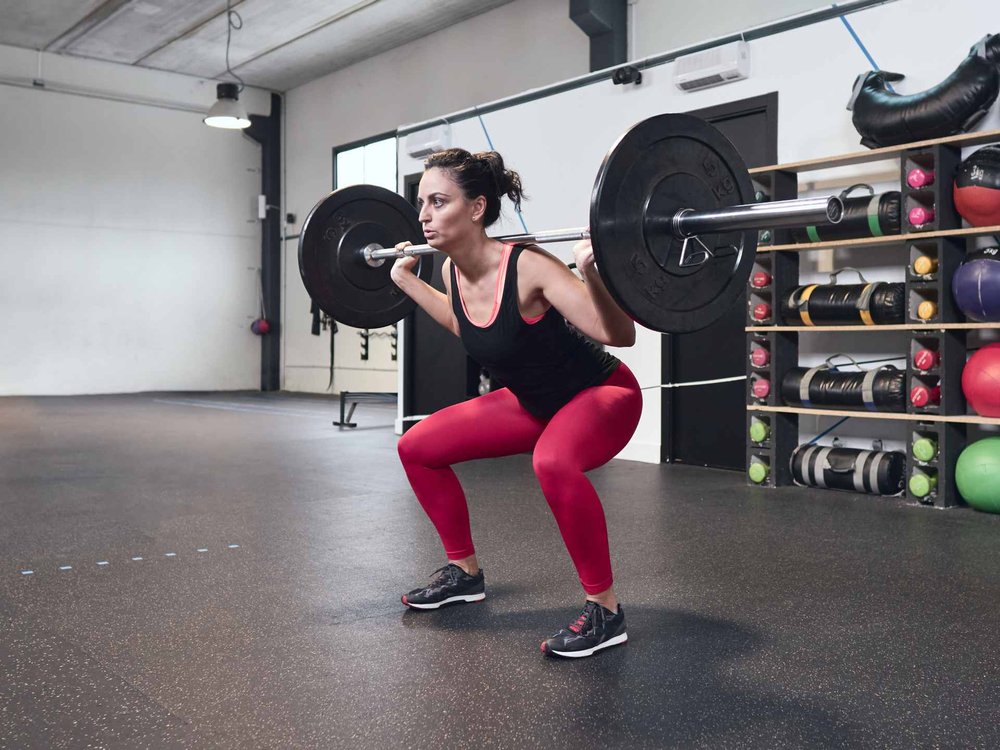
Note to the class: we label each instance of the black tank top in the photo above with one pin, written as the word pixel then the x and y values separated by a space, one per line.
pixel 542 361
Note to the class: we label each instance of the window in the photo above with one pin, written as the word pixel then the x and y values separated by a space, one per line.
pixel 371 163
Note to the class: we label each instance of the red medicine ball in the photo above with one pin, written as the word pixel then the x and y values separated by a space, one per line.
pixel 761 388
pixel 981 381
pixel 761 311
pixel 925 359
pixel 977 187
pixel 760 279
pixel 921 395
pixel 760 357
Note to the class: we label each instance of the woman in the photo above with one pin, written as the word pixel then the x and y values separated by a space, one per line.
pixel 571 404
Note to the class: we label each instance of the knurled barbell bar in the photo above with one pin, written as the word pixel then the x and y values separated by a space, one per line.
pixel 686 224
pixel 672 222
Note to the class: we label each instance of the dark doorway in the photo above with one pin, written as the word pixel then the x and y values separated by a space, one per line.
pixel 436 370
pixel 704 425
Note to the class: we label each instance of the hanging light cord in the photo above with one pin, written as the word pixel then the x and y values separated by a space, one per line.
pixel 233 21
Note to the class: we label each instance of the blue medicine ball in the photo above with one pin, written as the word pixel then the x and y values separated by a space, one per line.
pixel 976 286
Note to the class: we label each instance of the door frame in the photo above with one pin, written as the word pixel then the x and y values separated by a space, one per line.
pixel 768 104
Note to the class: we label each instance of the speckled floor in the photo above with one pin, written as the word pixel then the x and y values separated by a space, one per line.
pixel 795 618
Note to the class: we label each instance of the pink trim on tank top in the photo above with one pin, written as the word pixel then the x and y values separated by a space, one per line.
pixel 497 294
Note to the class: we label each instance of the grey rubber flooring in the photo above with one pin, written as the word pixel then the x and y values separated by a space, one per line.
pixel 264 611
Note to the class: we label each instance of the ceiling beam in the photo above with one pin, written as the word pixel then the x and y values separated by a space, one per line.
pixel 188 32
pixel 84 25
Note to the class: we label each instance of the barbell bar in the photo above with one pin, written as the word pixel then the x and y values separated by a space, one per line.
pixel 685 224
pixel 673 224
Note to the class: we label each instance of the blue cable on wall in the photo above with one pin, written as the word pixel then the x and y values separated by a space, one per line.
pixel 827 432
pixel 493 148
pixel 861 45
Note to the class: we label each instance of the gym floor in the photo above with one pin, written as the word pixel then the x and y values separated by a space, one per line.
pixel 265 609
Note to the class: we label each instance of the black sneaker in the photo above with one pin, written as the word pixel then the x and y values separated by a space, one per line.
pixel 594 629
pixel 451 585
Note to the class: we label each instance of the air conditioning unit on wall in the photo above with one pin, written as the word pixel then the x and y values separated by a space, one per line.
pixel 426 142
pixel 728 62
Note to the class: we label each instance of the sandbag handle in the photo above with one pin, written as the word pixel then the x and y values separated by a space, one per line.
pixel 833 276
pixel 857 186
pixel 979 48
pixel 829 365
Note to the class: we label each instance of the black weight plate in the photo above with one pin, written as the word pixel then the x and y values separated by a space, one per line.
pixel 662 165
pixel 333 267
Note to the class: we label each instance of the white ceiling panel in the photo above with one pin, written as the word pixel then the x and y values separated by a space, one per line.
pixel 36 23
pixel 266 25
pixel 282 43
pixel 139 28
pixel 387 24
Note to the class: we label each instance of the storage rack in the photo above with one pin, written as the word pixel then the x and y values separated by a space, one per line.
pixel 942 239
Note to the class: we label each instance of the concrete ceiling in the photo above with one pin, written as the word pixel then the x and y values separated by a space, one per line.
pixel 282 44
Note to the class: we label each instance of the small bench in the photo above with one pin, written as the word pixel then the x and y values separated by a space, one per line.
pixel 356 397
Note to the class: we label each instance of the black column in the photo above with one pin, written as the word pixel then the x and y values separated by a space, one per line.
pixel 267 132
pixel 606 23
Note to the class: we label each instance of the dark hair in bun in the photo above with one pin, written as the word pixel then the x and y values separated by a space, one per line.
pixel 482 174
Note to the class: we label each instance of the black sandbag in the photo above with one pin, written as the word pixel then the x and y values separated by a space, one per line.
pixel 955 105
pixel 838 304
pixel 864 216
pixel 884 391
pixel 871 472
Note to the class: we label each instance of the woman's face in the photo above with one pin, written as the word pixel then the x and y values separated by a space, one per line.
pixel 447 216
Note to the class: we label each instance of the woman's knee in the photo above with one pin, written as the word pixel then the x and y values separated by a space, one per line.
pixel 552 467
pixel 411 449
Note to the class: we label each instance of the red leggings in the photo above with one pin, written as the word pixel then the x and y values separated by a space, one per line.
pixel 586 433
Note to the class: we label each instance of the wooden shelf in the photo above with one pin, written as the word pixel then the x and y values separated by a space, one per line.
pixel 893 327
pixel 879 154
pixel 964 418
pixel 894 239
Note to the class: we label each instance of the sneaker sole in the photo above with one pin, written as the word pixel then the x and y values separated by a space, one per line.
pixel 618 639
pixel 466 598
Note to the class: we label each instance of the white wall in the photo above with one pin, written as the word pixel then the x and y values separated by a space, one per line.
pixel 128 238
pixel 520 45
pixel 658 26
pixel 557 143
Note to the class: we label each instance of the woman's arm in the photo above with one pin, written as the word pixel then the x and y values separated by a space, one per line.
pixel 586 304
pixel 435 304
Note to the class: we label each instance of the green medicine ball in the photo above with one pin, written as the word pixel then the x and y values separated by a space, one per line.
pixel 921 485
pixel 758 431
pixel 977 474
pixel 758 472
pixel 924 449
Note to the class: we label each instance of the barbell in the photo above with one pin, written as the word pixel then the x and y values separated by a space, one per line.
pixel 672 222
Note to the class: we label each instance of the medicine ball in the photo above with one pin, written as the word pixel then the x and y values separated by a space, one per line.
pixel 977 187
pixel 981 381
pixel 976 285
pixel 977 474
